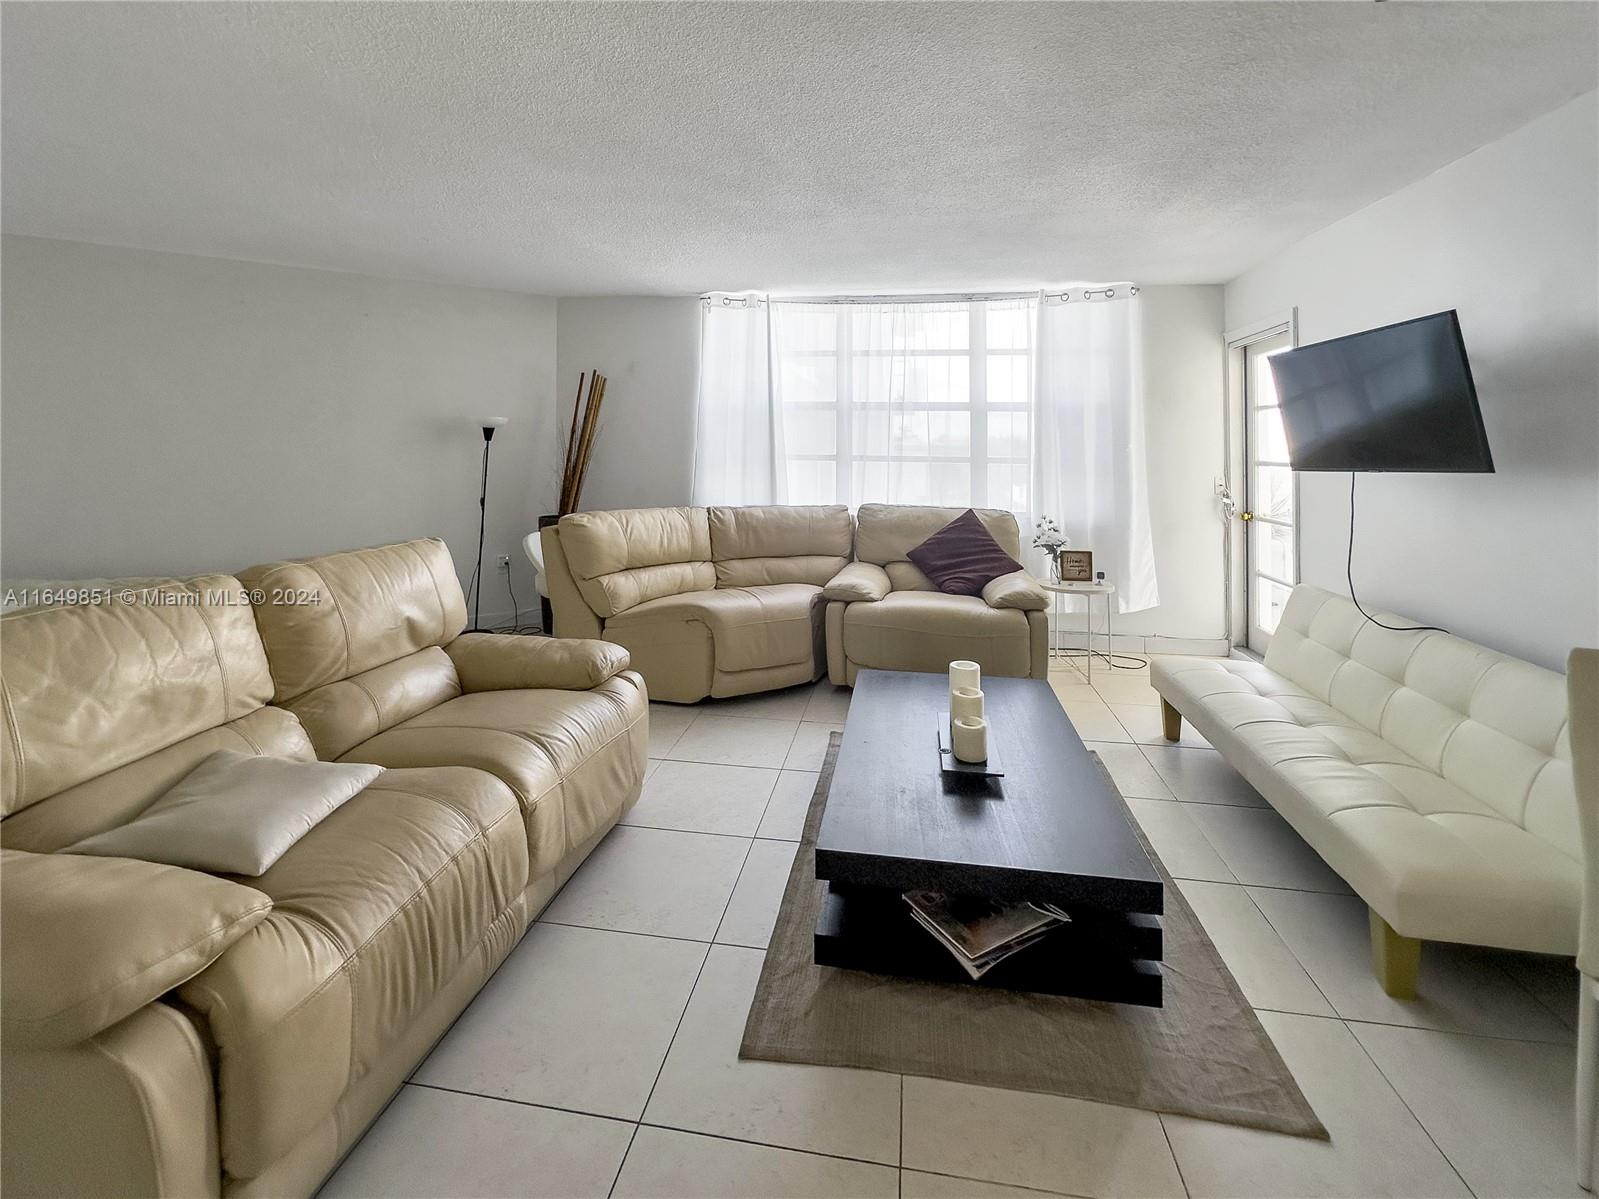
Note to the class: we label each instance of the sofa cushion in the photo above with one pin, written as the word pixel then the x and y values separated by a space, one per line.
pixel 751 627
pixel 375 910
pixel 754 546
pixel 327 618
pixel 340 715
pixel 927 630
pixel 96 686
pixel 962 557
pixel 626 557
pixel 886 533
pixel 234 813
pixel 574 759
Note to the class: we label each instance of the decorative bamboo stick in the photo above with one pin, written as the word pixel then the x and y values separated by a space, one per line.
pixel 571 437
pixel 591 418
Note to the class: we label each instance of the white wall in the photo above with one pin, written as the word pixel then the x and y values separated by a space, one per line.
pixel 649 349
pixel 173 414
pixel 1506 235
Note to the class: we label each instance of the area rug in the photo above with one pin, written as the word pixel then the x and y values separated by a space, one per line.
pixel 1203 1054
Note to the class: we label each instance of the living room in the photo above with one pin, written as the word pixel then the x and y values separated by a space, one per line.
pixel 687 599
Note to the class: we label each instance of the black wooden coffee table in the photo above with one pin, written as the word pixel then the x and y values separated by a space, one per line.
pixel 1052 830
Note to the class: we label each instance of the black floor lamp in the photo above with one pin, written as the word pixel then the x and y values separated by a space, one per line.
pixel 488 424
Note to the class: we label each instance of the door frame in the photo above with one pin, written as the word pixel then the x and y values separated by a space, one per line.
pixel 1235 548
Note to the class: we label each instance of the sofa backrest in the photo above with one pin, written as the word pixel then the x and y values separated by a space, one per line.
pixel 623 557
pixel 779 543
pixel 885 533
pixel 108 703
pixel 354 639
pixel 1493 725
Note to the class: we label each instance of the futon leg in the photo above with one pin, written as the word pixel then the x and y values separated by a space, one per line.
pixel 1171 721
pixel 1396 959
pixel 1587 1079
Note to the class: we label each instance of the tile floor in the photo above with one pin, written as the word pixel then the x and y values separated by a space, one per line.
pixel 602 1058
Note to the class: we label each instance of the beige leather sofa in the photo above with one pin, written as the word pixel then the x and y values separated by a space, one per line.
pixel 728 601
pixel 1434 775
pixel 707 601
pixel 884 614
pixel 168 1032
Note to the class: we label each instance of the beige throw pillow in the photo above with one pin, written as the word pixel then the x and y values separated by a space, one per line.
pixel 234 813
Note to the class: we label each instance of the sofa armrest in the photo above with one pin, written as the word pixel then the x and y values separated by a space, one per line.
pixel 1016 590
pixel 86 942
pixel 858 582
pixel 506 662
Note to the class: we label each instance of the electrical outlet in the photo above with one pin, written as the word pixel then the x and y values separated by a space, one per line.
pixel 504 563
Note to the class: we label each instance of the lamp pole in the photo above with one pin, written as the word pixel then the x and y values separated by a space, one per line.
pixel 488 424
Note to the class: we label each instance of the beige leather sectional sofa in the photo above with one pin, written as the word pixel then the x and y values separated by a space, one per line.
pixel 168 1032
pixel 725 601
pixel 1434 775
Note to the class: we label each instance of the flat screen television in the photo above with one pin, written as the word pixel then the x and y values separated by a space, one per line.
pixel 1398 398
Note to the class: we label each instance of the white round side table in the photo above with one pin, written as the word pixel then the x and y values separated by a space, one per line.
pixel 1088 591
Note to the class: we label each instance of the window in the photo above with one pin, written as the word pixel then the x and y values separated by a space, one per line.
pixel 914 403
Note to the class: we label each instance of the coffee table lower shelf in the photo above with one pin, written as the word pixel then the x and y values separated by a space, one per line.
pixel 1104 955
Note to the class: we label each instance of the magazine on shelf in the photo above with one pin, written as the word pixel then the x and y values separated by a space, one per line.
pixel 981 933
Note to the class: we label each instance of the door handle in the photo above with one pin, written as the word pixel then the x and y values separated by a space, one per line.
pixel 1246 515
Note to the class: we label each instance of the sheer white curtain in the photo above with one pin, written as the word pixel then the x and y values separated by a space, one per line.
pixel 905 401
pixel 1089 468
pixel 738 445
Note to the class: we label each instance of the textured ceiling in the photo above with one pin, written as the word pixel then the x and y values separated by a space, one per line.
pixel 669 148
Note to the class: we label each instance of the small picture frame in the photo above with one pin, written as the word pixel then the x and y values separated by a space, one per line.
pixel 1076 566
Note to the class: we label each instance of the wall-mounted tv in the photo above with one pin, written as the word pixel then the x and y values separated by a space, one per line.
pixel 1398 398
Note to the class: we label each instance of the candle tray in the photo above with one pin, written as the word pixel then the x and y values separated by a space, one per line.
pixel 948 763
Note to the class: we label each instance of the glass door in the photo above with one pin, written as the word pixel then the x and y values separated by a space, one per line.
pixel 1271 497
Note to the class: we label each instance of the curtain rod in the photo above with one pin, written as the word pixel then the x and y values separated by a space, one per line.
pixel 1107 291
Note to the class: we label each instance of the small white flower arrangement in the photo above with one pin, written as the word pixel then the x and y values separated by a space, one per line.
pixel 1048 537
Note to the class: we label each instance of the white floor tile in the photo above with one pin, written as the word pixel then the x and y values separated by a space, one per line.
pixel 1263 966
pixel 1031 1140
pixel 1126 687
pixel 433 1143
pixel 735 741
pixel 1131 771
pixel 1459 990
pixel 790 802
pixel 913 1184
pixel 1094 721
pixel 787 704
pixel 828 704
pixel 1500 1110
pixel 1143 724
pixel 666 1164
pixel 1178 841
pixel 1202 776
pixel 667 724
pixel 645 880
pixel 704 1087
pixel 1552 979
pixel 752 911
pixel 698 797
pixel 651 765
pixel 809 750
pixel 1377 1148
pixel 1262 849
pixel 575 1018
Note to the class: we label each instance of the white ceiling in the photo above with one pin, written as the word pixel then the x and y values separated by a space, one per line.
pixel 576 149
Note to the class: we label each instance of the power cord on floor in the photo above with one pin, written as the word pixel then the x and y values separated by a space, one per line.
pixel 1349 575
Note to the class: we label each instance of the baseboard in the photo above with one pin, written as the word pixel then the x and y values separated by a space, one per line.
pixel 1137 643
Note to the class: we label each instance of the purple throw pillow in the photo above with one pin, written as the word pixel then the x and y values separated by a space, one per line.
pixel 962 557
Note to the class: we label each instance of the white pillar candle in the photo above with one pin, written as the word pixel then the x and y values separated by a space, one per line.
pixel 966 701
pixel 970 737
pixel 964 674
